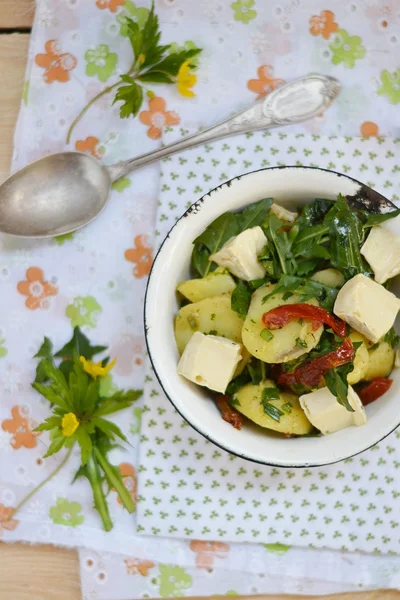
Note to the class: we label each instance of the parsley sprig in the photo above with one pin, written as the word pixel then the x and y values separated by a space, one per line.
pixel 152 62
pixel 70 381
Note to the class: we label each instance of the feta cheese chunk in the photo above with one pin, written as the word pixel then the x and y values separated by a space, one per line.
pixel 283 214
pixel 210 360
pixel 367 307
pixel 382 252
pixel 326 414
pixel 239 254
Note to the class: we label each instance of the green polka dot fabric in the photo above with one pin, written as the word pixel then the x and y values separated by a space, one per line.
pixel 190 488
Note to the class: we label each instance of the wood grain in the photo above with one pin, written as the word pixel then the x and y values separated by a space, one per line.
pixel 38 573
pixel 13 53
pixel 16 14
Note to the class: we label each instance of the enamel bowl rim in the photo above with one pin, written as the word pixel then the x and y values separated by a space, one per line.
pixel 152 344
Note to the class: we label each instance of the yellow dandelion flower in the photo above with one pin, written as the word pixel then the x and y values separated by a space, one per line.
pixel 95 369
pixel 186 80
pixel 69 424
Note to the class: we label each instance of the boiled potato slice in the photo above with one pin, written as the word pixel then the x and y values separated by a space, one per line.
pixel 361 359
pixel 248 401
pixel 380 362
pixel 330 277
pixel 214 284
pixel 209 315
pixel 284 346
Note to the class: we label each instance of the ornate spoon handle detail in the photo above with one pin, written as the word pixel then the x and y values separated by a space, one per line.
pixel 294 102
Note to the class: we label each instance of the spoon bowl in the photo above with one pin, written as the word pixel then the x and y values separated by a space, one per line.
pixel 53 195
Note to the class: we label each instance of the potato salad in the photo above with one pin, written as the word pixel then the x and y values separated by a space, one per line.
pixel 288 319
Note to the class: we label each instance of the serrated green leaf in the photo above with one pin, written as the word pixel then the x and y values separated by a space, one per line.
pixel 49 423
pixel 57 391
pixel 108 428
pixel 151 50
pixel 171 64
pixel 45 350
pixel 118 401
pixel 79 345
pixel 55 446
pixel 79 382
pixel 131 96
pixel 154 76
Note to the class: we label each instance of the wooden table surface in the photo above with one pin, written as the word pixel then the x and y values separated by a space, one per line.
pixel 45 572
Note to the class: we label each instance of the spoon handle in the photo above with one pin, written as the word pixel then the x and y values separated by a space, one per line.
pixel 294 102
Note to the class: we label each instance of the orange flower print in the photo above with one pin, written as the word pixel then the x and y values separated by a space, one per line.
pixel 129 478
pixel 323 24
pixel 369 129
pixel 6 523
pixel 112 5
pixel 89 146
pixel 265 82
pixel 207 551
pixel 157 117
pixel 36 289
pixel 22 428
pixel 141 255
pixel 134 566
pixel 57 64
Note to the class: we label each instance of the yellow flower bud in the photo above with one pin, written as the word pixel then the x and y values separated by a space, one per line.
pixel 69 424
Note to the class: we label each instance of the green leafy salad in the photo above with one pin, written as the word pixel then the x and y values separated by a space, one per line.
pixel 288 318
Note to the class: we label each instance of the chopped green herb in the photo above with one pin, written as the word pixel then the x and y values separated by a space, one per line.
pixel 287 407
pixel 270 393
pixel 391 338
pixel 213 315
pixel 256 283
pixel 266 335
pixel 212 332
pixel 234 402
pixel 301 343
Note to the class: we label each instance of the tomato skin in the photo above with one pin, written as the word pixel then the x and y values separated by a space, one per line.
pixel 281 315
pixel 374 390
pixel 228 413
pixel 311 373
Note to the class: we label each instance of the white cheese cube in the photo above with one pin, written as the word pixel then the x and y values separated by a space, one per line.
pixel 382 252
pixel 326 414
pixel 367 307
pixel 210 360
pixel 240 254
pixel 283 214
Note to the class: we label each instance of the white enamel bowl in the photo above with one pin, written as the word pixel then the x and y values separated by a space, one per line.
pixel 291 187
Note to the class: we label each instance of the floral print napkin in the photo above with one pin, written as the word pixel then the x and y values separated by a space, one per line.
pixel 95 278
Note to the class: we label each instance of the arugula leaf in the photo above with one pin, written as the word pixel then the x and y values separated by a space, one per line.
pixel 79 345
pixel 200 262
pixel 336 381
pixel 280 245
pixel 314 212
pixel 213 238
pixel 307 288
pixel 131 96
pixel 255 214
pixel 377 219
pixel 391 338
pixel 240 299
pixel 256 370
pixel 305 267
pixel 219 232
pixel 256 283
pixel 310 240
pixel 238 383
pixel 346 236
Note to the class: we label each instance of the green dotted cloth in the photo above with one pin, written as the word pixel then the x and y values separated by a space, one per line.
pixel 190 488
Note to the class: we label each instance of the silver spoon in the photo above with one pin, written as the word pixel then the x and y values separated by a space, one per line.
pixel 62 192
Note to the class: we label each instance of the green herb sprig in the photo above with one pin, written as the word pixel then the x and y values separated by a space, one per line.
pixel 70 381
pixel 152 63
